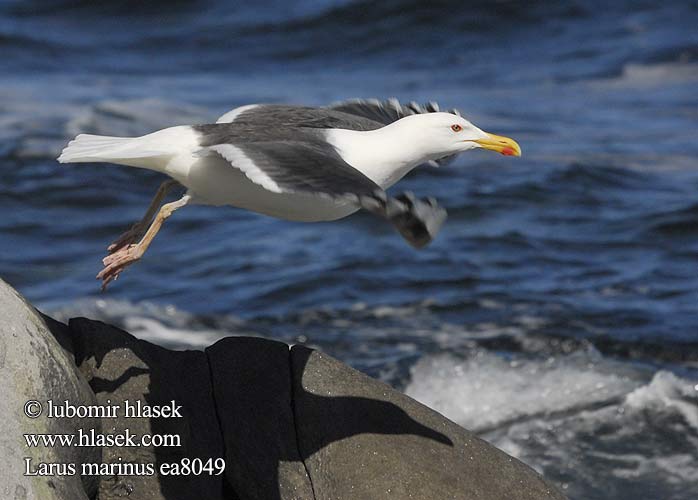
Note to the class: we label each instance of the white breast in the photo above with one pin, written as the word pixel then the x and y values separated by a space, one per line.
pixel 380 155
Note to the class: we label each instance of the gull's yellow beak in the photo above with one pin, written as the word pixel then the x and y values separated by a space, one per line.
pixel 500 144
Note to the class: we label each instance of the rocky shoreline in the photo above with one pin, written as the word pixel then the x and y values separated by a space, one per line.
pixel 289 423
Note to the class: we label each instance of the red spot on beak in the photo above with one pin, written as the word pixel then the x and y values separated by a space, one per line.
pixel 508 151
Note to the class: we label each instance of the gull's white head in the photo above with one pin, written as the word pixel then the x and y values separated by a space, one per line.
pixel 442 134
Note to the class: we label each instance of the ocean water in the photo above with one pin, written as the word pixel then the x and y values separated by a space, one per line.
pixel 557 312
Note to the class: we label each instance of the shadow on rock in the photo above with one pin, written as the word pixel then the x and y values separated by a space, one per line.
pixel 291 423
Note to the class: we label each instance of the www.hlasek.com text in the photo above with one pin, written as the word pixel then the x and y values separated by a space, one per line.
pixel 91 438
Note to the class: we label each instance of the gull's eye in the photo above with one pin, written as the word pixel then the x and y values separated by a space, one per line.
pixel 456 128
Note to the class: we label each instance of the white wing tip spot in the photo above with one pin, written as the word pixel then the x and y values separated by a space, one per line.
pixel 232 115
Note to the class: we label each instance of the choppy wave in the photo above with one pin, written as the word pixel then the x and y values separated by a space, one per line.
pixel 205 36
pixel 134 117
pixel 680 71
pixel 162 324
pixel 488 391
pixel 682 222
pixel 423 326
pixel 599 427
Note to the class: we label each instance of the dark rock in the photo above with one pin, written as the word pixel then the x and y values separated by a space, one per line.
pixel 252 387
pixel 119 367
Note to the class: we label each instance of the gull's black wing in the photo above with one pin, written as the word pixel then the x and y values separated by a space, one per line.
pixel 387 111
pixel 313 167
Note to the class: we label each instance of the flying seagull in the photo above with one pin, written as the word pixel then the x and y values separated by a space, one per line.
pixel 292 162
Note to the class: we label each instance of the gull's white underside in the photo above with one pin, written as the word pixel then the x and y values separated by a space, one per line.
pixel 209 179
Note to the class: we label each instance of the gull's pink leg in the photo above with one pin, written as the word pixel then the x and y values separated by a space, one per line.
pixel 115 263
pixel 137 231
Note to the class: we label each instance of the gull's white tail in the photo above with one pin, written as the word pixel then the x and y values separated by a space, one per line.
pixel 153 151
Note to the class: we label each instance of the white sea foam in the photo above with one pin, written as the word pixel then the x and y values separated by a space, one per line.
pixel 667 393
pixel 487 390
pixel 164 325
pixel 590 424
pixel 653 75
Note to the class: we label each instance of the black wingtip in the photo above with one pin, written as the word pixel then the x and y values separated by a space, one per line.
pixel 421 222
pixel 417 220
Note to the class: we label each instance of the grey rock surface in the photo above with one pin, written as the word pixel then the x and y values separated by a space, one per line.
pixel 362 439
pixel 292 423
pixel 33 366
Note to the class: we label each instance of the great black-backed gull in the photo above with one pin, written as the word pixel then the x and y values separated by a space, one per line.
pixel 293 162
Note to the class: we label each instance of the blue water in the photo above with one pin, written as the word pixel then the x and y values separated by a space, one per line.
pixel 556 314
